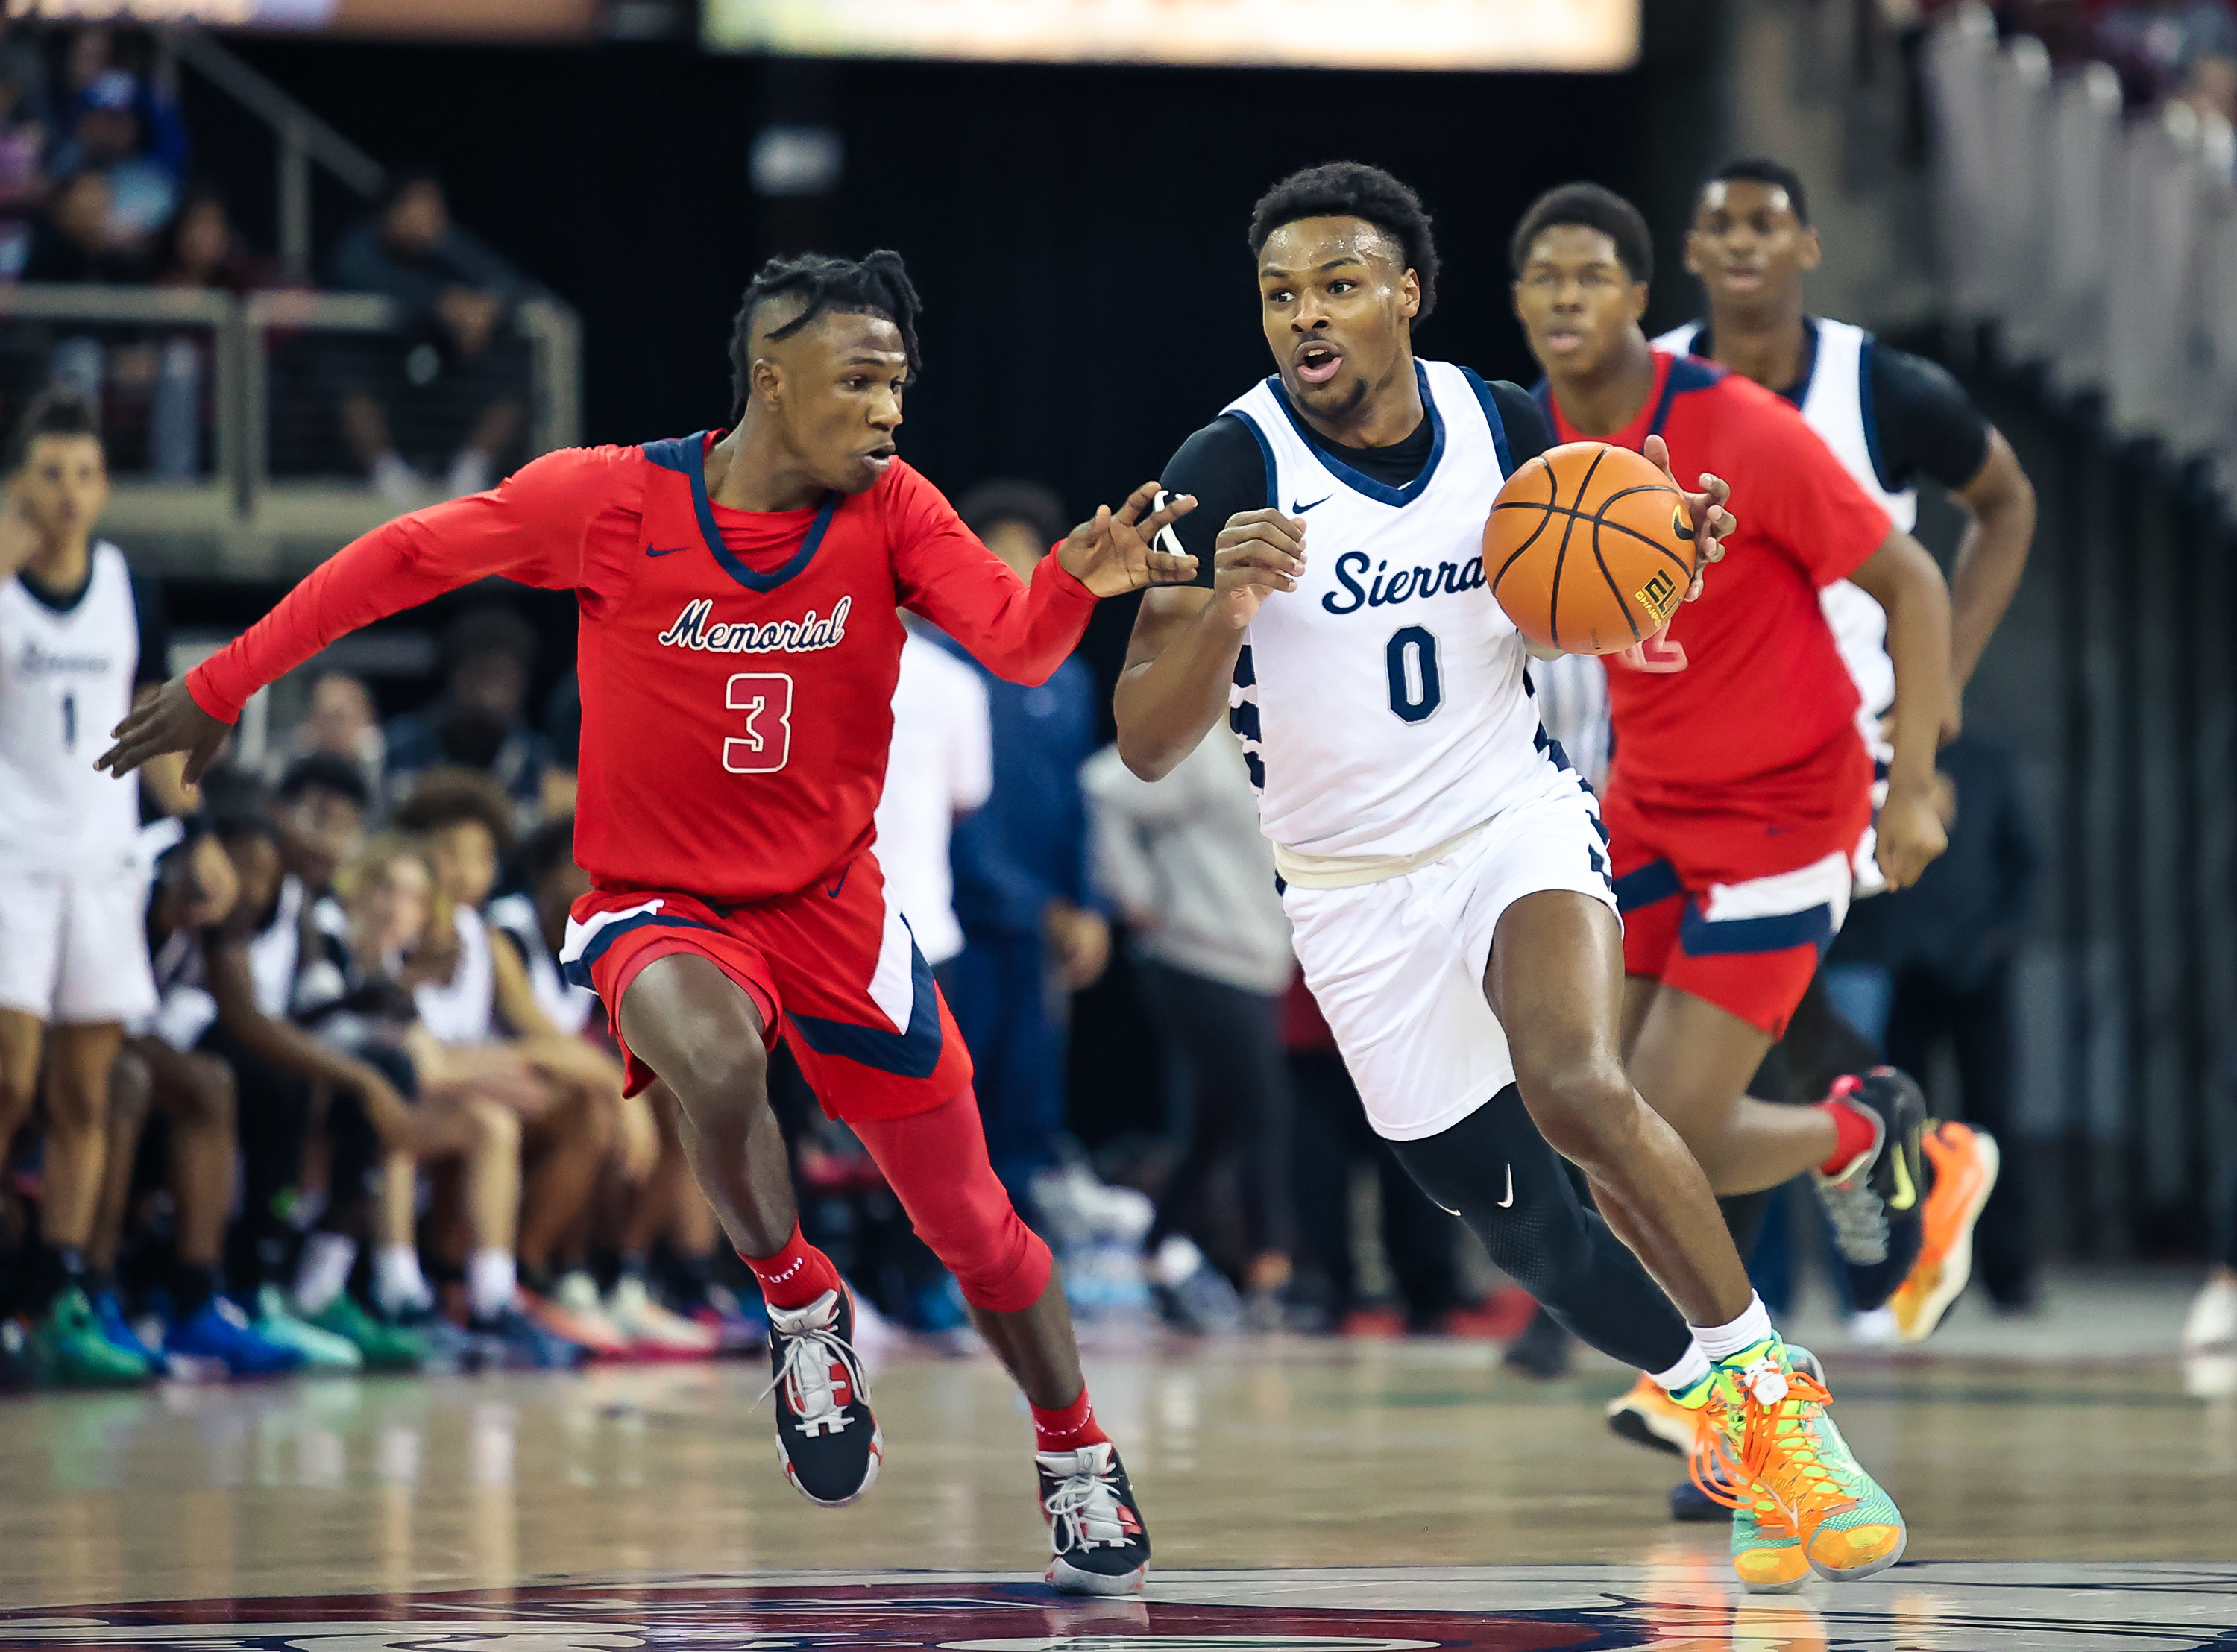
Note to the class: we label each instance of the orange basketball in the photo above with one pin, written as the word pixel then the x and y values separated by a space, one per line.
pixel 1588 548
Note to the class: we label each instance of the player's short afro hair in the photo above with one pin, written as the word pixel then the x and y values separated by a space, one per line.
pixel 1353 189
pixel 877 285
pixel 1591 206
pixel 1755 169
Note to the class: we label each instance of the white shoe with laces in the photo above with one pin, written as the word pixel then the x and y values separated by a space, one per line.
pixel 825 1436
pixel 1100 1545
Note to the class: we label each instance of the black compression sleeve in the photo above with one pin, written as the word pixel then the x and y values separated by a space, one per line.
pixel 1527 435
pixel 1927 424
pixel 1222 465
pixel 154 621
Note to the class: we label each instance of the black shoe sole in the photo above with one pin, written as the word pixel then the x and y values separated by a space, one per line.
pixel 1629 1425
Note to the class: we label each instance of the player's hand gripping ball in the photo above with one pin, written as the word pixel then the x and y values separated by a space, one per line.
pixel 1589 548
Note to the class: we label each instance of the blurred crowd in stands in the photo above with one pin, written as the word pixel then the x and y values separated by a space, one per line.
pixel 2164 50
pixel 99 183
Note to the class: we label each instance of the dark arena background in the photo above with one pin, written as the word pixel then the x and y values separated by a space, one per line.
pixel 281 1368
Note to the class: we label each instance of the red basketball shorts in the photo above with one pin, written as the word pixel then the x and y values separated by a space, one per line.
pixel 832 967
pixel 1732 903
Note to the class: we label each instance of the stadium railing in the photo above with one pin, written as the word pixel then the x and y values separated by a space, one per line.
pixel 223 412
pixel 2092 254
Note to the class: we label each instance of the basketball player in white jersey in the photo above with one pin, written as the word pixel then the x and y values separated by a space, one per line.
pixel 1444 868
pixel 73 959
pixel 1889 417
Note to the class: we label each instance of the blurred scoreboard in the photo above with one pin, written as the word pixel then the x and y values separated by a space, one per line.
pixel 1331 33
pixel 396 19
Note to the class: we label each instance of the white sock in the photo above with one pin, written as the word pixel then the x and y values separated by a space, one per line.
pixel 1722 1341
pixel 398 1286
pixel 325 1269
pixel 492 1282
pixel 1684 1374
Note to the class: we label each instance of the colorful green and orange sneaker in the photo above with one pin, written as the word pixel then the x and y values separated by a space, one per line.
pixel 1801 1502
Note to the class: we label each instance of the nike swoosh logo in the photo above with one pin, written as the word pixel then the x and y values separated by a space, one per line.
pixel 1508 1204
pixel 1300 509
pixel 671 551
pixel 834 891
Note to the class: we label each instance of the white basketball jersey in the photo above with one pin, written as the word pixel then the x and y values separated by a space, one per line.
pixel 463 1009
pixel 1836 404
pixel 65 682
pixel 1381 704
pixel 569 1005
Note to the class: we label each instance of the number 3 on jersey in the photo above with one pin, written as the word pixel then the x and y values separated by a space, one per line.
pixel 766 698
pixel 1415 692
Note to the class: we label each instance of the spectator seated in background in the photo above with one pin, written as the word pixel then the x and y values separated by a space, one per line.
pixel 474 995
pixel 195 888
pixel 108 135
pixel 488 655
pixel 321 806
pixel 450 391
pixel 342 723
pixel 200 248
pixel 1032 934
pixel 75 240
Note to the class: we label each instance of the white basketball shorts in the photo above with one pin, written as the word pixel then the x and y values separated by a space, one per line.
pixel 73 947
pixel 1397 966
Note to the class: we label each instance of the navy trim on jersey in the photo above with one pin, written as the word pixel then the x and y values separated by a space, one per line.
pixel 1265 455
pixel 687 457
pixel 912 1054
pixel 1645 885
pixel 1686 374
pixel 1872 419
pixel 1799 391
pixel 1699 937
pixel 578 969
pixel 1381 492
pixel 1491 417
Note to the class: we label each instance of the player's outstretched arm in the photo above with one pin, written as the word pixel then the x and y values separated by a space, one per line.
pixel 1182 656
pixel 1903 580
pixel 532 529
pixel 1116 551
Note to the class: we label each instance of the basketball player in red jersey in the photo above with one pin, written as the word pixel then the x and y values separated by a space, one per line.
pixel 738 648
pixel 1740 791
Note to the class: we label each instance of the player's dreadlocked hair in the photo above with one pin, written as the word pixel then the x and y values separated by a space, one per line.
pixel 1352 189
pixel 877 285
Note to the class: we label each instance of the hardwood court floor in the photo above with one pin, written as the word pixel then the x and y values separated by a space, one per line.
pixel 1276 1454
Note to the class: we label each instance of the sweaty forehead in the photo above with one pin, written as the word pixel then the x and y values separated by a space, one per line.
pixel 1308 243
pixel 1742 197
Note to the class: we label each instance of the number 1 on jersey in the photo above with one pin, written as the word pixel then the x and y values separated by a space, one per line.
pixel 766 698
pixel 69 722
pixel 1415 692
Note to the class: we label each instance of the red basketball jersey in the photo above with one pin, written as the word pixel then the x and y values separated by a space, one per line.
pixel 1743 687
pixel 736 711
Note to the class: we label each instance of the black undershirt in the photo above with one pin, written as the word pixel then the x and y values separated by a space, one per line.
pixel 1222 465
pixel 1922 420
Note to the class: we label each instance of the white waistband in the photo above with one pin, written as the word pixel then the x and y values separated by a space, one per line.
pixel 1349 871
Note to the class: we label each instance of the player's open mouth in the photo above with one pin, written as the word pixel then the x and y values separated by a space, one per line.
pixel 878 458
pixel 1563 339
pixel 1317 363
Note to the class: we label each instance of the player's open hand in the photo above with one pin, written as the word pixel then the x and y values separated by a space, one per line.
pixel 1258 552
pixel 169 721
pixel 1911 834
pixel 1119 550
pixel 1712 524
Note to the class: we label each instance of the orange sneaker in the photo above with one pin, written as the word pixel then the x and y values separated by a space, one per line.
pixel 1647 1416
pixel 1964 1162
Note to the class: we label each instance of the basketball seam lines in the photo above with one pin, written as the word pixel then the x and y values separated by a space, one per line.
pixel 1562 556
pixel 1546 510
pixel 1567 511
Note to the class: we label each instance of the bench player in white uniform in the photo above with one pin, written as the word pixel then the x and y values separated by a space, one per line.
pixel 1888 416
pixel 1444 869
pixel 73 959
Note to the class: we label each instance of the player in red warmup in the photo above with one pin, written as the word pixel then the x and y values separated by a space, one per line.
pixel 737 650
pixel 1741 790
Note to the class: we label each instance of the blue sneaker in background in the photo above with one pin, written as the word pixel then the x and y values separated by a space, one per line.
pixel 218 1330
pixel 108 1315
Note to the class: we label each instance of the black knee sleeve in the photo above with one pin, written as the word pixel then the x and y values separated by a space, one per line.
pixel 1495 1172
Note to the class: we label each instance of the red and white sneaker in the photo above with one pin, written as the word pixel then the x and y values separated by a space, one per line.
pixel 825 1435
pixel 1100 1545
